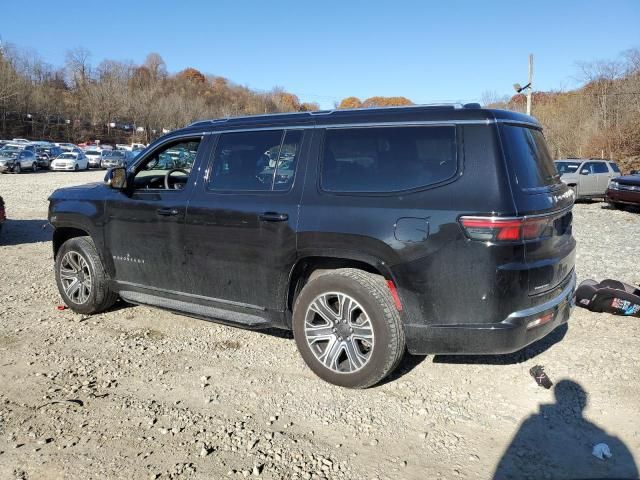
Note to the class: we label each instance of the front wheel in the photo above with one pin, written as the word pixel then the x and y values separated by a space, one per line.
pixel 81 279
pixel 17 168
pixel 347 328
pixel 34 166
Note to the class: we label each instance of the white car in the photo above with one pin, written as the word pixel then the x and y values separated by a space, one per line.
pixel 70 161
pixel 94 156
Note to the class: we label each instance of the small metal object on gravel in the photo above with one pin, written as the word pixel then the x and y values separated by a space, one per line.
pixel 540 377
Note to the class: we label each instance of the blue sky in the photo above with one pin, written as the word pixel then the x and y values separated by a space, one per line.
pixel 326 50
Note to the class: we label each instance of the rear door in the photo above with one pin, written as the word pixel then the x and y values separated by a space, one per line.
pixel 541 197
pixel 241 224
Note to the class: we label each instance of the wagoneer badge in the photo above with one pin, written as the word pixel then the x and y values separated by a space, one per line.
pixel 128 258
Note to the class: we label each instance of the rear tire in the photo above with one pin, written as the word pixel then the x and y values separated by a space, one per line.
pixel 76 168
pixel 82 281
pixel 358 338
pixel 34 167
pixel 17 168
pixel 617 206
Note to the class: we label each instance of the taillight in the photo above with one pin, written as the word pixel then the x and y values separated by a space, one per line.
pixel 495 229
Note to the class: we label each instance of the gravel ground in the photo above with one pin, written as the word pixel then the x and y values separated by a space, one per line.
pixel 141 393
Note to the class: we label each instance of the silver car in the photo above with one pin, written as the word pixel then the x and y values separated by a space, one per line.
pixel 588 178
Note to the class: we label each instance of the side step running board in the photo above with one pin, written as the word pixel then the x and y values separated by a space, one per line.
pixel 243 319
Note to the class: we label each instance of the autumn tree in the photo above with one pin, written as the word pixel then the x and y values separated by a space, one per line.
pixel 350 102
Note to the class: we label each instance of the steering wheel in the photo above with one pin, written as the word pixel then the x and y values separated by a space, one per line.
pixel 168 174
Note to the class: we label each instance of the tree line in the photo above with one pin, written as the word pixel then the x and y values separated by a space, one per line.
pixel 118 101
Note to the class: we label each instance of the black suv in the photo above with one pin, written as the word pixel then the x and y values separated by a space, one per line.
pixel 439 229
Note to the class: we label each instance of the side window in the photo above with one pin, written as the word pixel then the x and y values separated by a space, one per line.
pixel 587 166
pixel 387 159
pixel 169 167
pixel 599 167
pixel 255 161
pixel 614 167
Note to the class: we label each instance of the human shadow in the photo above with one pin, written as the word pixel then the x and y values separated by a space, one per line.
pixel 523 355
pixel 557 443
pixel 20 232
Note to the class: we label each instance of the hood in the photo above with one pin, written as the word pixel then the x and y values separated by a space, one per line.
pixel 77 191
pixel 628 179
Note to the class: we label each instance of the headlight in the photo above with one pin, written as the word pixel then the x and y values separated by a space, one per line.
pixel 614 186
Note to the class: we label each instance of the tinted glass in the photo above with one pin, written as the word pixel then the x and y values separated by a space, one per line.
pixel 599 167
pixel 614 167
pixel 387 159
pixel 527 153
pixel 567 167
pixel 255 161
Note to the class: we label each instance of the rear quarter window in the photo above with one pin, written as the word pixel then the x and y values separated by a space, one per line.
pixel 387 159
pixel 528 157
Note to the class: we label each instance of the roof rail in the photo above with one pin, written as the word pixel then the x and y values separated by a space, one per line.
pixel 336 110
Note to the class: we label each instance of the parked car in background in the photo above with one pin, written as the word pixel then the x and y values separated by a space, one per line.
pixel 624 191
pixel 14 158
pixel 3 213
pixel 70 161
pixel 43 157
pixel 588 178
pixel 116 158
pixel 94 156
pixel 23 141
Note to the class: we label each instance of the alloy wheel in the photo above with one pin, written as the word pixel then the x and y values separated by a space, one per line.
pixel 76 277
pixel 339 332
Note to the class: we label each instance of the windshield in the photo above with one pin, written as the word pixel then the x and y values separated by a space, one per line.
pixel 5 153
pixel 115 154
pixel 67 156
pixel 92 152
pixel 527 153
pixel 567 167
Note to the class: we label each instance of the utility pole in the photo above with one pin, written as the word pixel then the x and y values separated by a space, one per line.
pixel 530 91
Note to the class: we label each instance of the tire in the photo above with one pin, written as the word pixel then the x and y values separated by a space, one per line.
pixel 76 168
pixel 34 167
pixel 17 168
pixel 370 299
pixel 92 297
pixel 617 206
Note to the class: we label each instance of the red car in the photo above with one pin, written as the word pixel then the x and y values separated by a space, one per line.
pixel 624 191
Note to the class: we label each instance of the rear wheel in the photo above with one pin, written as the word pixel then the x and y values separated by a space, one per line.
pixel 347 328
pixel 34 166
pixel 81 279
pixel 76 168
pixel 17 168
pixel 617 206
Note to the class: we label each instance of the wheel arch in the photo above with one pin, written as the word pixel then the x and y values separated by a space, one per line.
pixel 62 234
pixel 305 267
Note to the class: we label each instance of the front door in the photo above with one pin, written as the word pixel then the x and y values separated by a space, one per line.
pixel 144 233
pixel 588 179
pixel 241 223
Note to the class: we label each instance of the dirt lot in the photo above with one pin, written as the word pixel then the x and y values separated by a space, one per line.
pixel 141 393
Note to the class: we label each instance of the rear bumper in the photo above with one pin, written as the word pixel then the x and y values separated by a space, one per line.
pixel 507 336
pixel 623 196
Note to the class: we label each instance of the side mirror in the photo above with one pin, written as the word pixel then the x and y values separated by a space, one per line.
pixel 116 178
pixel 584 171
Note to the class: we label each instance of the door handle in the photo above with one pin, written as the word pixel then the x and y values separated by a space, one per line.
pixel 274 217
pixel 167 212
